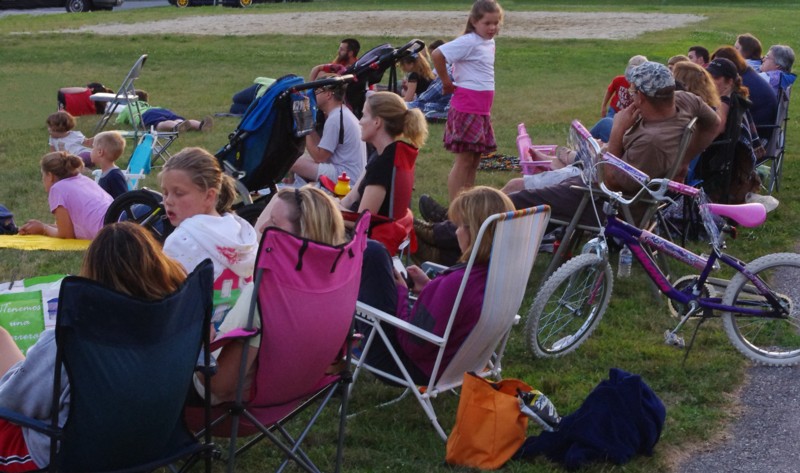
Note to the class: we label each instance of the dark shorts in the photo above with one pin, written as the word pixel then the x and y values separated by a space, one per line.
pixel 14 455
pixel 467 132
pixel 154 116
pixel 562 199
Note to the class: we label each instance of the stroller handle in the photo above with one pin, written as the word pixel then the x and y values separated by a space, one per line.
pixel 328 81
pixel 412 47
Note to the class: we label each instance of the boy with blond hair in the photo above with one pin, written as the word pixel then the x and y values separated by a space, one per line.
pixel 108 147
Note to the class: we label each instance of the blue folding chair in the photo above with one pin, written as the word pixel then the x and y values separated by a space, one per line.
pixel 129 365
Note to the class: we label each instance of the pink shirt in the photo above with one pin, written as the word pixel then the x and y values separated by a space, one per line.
pixel 85 201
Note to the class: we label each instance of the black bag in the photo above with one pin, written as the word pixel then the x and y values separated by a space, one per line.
pixel 7 226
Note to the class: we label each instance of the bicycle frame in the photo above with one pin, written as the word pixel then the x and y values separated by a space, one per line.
pixel 637 239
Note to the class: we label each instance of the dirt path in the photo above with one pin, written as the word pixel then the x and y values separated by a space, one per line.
pixel 554 25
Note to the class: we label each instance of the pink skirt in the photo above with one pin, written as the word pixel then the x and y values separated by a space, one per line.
pixel 468 132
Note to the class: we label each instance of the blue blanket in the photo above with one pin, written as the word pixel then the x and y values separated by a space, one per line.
pixel 621 417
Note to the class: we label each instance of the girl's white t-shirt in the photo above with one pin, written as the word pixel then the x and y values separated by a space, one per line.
pixel 472 58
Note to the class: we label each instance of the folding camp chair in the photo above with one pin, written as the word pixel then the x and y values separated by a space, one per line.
pixel 517 236
pixel 124 97
pixel 640 213
pixel 306 295
pixel 776 146
pixel 129 365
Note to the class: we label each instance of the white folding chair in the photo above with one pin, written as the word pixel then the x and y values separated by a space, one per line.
pixel 515 244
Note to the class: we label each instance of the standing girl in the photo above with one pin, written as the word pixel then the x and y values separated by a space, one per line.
pixel 469 132
pixel 197 200
pixel 76 201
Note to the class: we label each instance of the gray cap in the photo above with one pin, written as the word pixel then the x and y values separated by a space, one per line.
pixel 650 77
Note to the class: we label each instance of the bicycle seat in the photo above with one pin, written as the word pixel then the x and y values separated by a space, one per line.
pixel 747 215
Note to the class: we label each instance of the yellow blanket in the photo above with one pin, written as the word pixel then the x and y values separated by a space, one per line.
pixel 41 242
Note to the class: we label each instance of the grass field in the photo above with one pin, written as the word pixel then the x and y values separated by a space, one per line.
pixel 545 83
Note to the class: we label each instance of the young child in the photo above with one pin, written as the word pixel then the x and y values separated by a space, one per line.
pixel 108 147
pixel 419 75
pixel 162 119
pixel 63 138
pixel 77 202
pixel 617 93
pixel 197 200
pixel 469 131
pixel 26 385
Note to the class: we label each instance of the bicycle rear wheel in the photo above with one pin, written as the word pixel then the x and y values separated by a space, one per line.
pixel 569 306
pixel 771 337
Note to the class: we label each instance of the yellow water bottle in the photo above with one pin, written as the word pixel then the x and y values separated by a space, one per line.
pixel 342 185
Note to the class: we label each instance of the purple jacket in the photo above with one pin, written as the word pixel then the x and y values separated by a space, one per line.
pixel 432 310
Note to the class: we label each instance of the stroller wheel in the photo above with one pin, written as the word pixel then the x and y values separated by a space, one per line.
pixel 142 207
pixel 251 212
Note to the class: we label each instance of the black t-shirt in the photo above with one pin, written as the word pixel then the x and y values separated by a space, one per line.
pixel 114 183
pixel 422 83
pixel 379 172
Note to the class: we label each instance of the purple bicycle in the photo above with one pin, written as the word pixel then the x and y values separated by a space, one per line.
pixel 755 300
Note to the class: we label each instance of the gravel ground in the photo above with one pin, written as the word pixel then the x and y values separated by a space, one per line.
pixel 763 437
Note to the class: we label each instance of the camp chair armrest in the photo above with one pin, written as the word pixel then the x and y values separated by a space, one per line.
pixel 29 422
pixel 235 334
pixel 369 312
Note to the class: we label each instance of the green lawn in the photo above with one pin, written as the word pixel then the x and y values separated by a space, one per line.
pixel 545 83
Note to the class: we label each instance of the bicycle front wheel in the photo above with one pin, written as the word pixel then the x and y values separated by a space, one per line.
pixel 772 335
pixel 569 306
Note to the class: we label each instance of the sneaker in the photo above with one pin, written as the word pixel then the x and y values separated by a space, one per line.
pixel 431 210
pixel 538 407
pixel 769 202
pixel 182 127
pixel 207 124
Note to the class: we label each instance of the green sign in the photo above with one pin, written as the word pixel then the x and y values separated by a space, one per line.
pixel 21 314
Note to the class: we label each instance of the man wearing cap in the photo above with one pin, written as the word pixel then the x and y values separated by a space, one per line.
pixel 646 134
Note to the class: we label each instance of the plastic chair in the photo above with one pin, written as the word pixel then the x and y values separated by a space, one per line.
pixel 306 295
pixel 776 146
pixel 515 244
pixel 129 364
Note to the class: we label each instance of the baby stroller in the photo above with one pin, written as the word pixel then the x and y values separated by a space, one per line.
pixel 369 70
pixel 261 150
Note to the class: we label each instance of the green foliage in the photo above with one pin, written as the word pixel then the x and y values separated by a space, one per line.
pixel 544 83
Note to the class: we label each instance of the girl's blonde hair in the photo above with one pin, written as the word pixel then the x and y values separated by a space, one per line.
pixel 61 164
pixel 140 269
pixel 398 120
pixel 61 121
pixel 204 171
pixel 419 64
pixel 315 214
pixel 470 209
pixel 697 80
pixel 480 8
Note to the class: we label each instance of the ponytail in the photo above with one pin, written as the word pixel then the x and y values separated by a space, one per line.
pixel 415 128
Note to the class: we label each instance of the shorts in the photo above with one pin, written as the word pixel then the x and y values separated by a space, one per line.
pixel 327 169
pixel 152 117
pixel 14 455
pixel 468 132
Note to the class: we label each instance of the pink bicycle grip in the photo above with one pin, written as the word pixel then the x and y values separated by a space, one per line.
pixel 683 189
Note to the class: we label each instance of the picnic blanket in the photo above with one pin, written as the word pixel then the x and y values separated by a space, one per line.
pixel 41 242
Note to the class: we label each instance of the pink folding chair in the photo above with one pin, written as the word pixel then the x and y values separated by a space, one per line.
pixel 306 295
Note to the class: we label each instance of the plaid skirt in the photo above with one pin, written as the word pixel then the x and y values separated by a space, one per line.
pixel 467 132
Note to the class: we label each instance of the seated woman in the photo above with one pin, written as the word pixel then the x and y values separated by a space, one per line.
pixel 386 185
pixel 141 271
pixel 385 289
pixel 306 212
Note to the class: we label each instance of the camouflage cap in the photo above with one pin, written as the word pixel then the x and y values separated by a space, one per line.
pixel 650 77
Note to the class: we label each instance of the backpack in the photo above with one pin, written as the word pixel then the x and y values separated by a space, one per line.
pixel 7 226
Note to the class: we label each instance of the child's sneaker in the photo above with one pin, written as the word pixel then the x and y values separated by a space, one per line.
pixel 538 407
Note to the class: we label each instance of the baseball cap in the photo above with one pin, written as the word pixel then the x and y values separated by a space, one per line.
pixel 650 77
pixel 722 67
